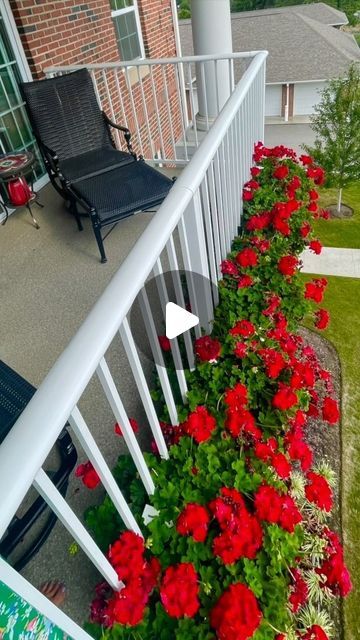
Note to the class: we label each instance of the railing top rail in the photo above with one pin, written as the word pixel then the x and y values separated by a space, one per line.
pixel 69 376
pixel 156 61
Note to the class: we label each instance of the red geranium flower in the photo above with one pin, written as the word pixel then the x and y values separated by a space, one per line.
pixel 287 265
pixel 126 606
pixel 330 410
pixel 299 591
pixel 299 450
pixel 88 475
pixel 284 398
pixel 245 281
pixel 305 229
pixel 179 590
pixel 165 343
pixel 315 633
pixel 194 521
pixel 312 207
pixel 258 222
pixel 236 397
pixel 314 290
pixel 273 360
pixel 255 171
pixel 290 515
pixel 281 465
pixel 243 328
pixel 236 615
pixel 246 258
pixel 228 268
pixel 207 349
pixel 247 195
pixel 316 246
pixel 240 350
pixel 322 319
pixel 318 491
pixel 273 302
pixel 241 422
pixel 268 504
pixel 317 174
pixel 133 423
pixel 313 195
pixel 281 172
pixel 199 425
pixel 244 542
pixel 252 184
pixel 306 159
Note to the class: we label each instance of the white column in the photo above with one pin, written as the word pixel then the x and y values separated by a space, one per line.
pixel 211 29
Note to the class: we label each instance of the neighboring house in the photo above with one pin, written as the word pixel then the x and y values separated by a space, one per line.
pixel 306 48
pixel 35 34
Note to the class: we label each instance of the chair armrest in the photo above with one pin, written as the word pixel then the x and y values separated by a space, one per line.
pixel 50 156
pixel 125 130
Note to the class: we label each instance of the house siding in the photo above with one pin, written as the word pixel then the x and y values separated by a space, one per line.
pixel 75 32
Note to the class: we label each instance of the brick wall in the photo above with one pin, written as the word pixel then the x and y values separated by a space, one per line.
pixel 62 32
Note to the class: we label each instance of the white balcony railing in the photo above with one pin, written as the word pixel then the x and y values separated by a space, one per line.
pixel 194 228
pixel 158 99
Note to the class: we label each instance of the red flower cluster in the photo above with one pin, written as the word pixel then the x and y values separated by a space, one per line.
pixel 193 521
pixel 315 633
pixel 287 265
pixel 133 424
pixel 199 425
pixel 165 343
pixel 228 268
pixel 239 421
pixel 140 576
pixel 236 615
pixel 315 246
pixel 207 349
pixel 272 507
pixel 330 410
pixel 179 590
pixel 241 535
pixel 243 328
pixel 333 568
pixel 246 258
pixel 284 398
pixel 273 360
pixel 314 290
pixel 281 172
pixel 318 491
pixel 299 591
pixel 322 319
pixel 266 451
pixel 88 475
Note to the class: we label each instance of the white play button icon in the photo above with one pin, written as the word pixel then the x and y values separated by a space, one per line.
pixel 178 320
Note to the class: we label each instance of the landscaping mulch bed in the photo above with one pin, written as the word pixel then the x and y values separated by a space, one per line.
pixel 345 211
pixel 325 441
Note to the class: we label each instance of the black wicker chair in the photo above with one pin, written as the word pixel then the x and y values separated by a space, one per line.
pixel 15 393
pixel 80 156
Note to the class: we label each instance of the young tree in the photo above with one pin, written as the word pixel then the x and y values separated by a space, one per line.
pixel 336 123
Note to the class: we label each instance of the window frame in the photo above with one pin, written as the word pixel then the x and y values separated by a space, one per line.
pixel 133 8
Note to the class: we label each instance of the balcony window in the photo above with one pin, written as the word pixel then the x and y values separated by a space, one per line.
pixel 127 28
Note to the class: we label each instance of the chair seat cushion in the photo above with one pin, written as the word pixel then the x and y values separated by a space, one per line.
pixel 92 163
pixel 130 188
pixel 15 393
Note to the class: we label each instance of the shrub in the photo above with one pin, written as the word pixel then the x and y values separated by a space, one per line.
pixel 240 547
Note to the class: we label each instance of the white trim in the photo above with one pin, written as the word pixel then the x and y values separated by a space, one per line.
pixel 134 8
pixel 15 41
pixel 296 81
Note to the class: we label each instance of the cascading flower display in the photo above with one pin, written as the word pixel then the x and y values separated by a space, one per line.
pixel 239 545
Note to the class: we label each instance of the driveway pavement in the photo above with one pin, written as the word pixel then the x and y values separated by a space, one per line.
pixel 290 135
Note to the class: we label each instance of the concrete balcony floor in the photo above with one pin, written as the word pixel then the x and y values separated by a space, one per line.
pixel 50 278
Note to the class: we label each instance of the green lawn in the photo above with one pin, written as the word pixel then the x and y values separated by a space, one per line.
pixel 345 232
pixel 342 300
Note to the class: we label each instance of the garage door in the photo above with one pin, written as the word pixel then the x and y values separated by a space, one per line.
pixel 273 100
pixel 306 96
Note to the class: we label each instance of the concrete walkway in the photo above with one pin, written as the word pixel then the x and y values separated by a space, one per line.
pixel 333 262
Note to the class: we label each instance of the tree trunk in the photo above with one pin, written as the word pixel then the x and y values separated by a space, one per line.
pixel 339 200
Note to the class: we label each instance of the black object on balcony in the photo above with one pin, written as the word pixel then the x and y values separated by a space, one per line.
pixel 15 393
pixel 80 155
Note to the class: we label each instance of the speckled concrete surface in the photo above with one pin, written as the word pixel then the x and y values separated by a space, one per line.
pixel 50 278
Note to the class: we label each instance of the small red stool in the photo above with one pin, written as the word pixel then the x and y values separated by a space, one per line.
pixel 16 192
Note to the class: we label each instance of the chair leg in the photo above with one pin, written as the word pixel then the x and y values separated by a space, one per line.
pixel 74 211
pixel 98 236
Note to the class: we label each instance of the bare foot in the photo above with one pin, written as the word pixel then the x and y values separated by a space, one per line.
pixel 55 591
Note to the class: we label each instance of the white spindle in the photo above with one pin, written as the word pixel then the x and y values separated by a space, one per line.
pixel 120 414
pixel 58 504
pixel 95 456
